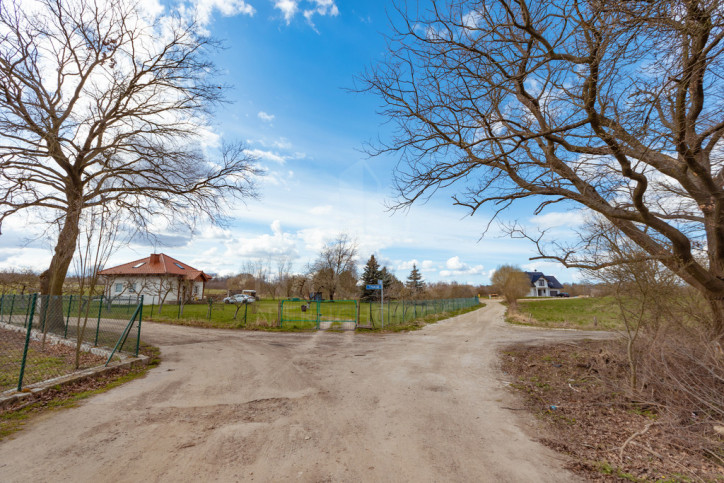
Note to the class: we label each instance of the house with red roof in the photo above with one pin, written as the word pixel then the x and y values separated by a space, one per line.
pixel 158 277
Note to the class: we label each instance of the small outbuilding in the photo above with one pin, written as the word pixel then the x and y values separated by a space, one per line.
pixel 158 277
pixel 543 285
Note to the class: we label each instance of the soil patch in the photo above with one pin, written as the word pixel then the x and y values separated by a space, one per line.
pixel 577 391
pixel 42 363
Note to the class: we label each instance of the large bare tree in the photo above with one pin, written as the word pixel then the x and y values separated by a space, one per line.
pixel 334 269
pixel 103 106
pixel 616 106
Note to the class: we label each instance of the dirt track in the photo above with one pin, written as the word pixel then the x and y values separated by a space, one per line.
pixel 231 406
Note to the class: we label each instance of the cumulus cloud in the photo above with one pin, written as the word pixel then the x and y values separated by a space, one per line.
pixel 275 245
pixel 288 8
pixel 265 116
pixel 454 267
pixel 203 10
pixel 309 8
pixel 454 263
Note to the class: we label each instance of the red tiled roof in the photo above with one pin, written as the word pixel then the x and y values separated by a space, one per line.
pixel 157 264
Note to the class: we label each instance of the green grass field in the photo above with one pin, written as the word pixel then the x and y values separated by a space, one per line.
pixel 574 313
pixel 265 313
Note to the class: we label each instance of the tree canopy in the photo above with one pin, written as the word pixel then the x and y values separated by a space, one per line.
pixel 102 105
pixel 615 106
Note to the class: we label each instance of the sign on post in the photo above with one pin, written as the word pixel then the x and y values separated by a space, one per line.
pixel 379 286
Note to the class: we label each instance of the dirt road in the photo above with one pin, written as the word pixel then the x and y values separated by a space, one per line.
pixel 236 406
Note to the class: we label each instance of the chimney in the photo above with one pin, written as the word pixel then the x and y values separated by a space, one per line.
pixel 155 258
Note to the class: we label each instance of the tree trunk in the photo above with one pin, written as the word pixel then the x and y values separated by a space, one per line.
pixel 51 281
pixel 717 320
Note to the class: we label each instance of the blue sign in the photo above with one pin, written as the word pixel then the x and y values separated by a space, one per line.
pixel 376 286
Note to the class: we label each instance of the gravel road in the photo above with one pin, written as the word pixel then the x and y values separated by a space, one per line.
pixel 227 405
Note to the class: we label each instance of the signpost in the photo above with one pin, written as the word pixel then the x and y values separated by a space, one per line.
pixel 379 286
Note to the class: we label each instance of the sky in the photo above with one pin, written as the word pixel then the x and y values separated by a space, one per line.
pixel 292 67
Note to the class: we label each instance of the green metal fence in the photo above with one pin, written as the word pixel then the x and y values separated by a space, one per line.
pixel 32 325
pixel 349 314
pixel 402 312
pixel 319 314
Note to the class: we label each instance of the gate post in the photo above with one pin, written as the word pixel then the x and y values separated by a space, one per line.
pixel 98 323
pixel 27 342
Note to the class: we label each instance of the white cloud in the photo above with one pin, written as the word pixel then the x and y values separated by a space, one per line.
pixel 265 116
pixel 428 265
pixel 310 8
pixel 454 267
pixel 454 263
pixel 276 245
pixel 557 219
pixel 204 9
pixel 321 210
pixel 288 8
pixel 267 155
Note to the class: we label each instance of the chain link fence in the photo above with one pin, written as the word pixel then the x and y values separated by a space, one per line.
pixel 39 335
pixel 403 312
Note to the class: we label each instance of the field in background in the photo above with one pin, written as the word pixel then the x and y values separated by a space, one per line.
pixel 265 313
pixel 587 313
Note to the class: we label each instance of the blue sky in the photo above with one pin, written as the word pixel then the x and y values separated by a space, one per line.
pixel 291 64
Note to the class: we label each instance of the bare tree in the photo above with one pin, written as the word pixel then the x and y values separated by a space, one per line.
pixel 616 106
pixel 101 106
pixel 512 282
pixel 101 233
pixel 335 265
pixel 645 291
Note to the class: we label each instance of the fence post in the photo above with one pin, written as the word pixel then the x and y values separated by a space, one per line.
pixel 319 307
pixel 12 307
pixel 27 343
pixel 98 323
pixel 356 307
pixel 138 336
pixel 246 309
pixel 27 312
pixel 2 307
pixel 67 317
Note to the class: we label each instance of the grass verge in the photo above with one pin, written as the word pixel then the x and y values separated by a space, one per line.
pixel 14 418
pixel 589 313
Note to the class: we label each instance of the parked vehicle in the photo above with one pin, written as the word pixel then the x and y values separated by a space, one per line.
pixel 239 298
pixel 563 294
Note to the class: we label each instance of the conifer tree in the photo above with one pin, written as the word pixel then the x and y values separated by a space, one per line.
pixel 414 281
pixel 372 273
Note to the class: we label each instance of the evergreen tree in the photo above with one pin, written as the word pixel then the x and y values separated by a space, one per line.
pixel 414 281
pixel 372 273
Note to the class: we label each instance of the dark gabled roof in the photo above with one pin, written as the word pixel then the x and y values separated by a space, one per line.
pixel 534 276
pixel 552 281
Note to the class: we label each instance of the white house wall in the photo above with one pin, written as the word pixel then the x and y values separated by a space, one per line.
pixel 152 288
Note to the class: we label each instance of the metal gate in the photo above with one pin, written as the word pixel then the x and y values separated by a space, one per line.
pixel 319 314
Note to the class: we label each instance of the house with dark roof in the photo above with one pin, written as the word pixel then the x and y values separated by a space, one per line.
pixel 543 285
pixel 158 277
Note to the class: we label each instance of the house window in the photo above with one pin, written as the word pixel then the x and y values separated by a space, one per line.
pixel 179 266
pixel 119 287
pixel 132 287
pixel 541 283
pixel 139 265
